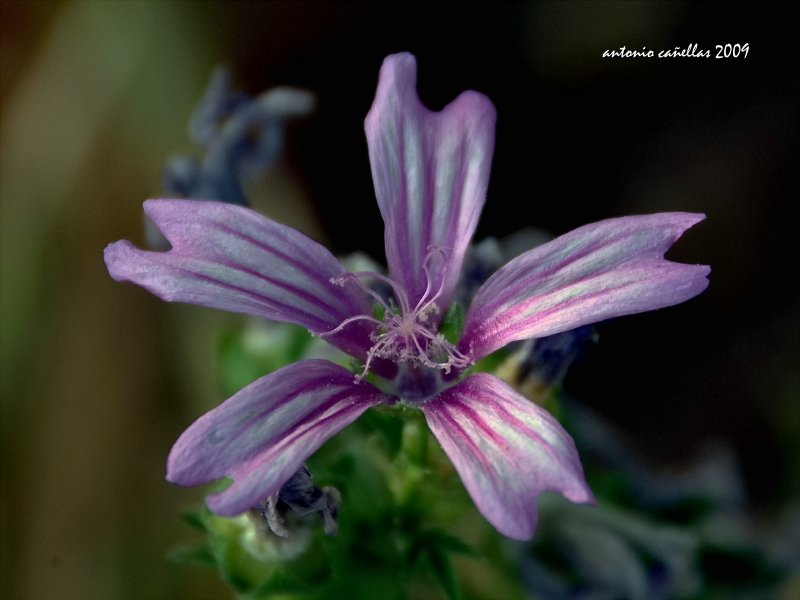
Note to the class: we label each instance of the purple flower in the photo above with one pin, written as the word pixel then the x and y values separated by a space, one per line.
pixel 431 172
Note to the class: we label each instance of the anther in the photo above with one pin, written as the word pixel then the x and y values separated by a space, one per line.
pixel 405 335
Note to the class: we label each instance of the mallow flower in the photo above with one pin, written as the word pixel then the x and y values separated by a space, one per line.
pixel 430 171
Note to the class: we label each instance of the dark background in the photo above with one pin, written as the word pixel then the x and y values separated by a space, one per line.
pixel 98 379
pixel 581 138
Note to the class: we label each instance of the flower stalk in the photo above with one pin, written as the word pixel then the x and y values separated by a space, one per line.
pixel 410 465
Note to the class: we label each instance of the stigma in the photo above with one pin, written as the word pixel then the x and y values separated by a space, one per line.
pixel 405 335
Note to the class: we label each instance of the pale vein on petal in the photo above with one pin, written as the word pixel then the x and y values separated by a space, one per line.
pixel 431 171
pixel 599 271
pixel 231 258
pixel 264 432
pixel 506 450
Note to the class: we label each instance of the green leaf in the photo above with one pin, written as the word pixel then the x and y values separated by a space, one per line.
pixel 431 553
pixel 450 543
pixel 441 569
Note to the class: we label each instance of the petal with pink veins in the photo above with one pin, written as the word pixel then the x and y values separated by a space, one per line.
pixel 506 450
pixel 431 171
pixel 231 258
pixel 262 434
pixel 603 270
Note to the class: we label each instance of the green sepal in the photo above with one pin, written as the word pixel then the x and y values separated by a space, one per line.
pixel 378 311
pixel 453 323
pixel 490 364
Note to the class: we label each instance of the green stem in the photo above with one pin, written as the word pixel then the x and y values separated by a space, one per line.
pixel 411 462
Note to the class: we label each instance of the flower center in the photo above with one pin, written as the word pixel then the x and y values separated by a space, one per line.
pixel 406 335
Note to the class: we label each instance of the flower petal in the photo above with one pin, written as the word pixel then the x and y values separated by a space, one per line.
pixel 507 451
pixel 263 433
pixel 599 271
pixel 231 258
pixel 430 171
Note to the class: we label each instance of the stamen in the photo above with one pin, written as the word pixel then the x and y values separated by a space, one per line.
pixel 346 322
pixel 406 335
pixel 342 279
pixel 423 305
pixel 399 293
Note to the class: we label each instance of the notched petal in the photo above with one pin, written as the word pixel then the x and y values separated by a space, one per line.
pixel 431 171
pixel 231 258
pixel 506 450
pixel 603 270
